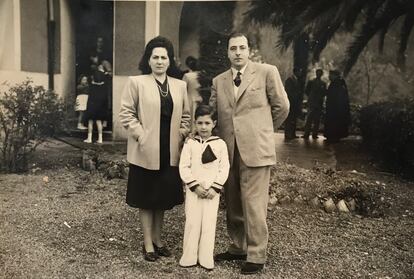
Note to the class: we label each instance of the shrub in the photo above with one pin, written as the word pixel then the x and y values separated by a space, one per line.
pixel 355 119
pixel 28 115
pixel 388 131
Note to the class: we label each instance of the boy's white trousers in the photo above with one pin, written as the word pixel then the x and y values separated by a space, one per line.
pixel 200 230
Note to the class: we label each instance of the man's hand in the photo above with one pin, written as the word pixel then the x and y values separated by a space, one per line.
pixel 200 192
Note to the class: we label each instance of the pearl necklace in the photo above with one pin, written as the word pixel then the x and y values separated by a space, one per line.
pixel 162 92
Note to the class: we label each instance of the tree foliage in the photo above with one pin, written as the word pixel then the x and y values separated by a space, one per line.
pixel 215 26
pixel 322 19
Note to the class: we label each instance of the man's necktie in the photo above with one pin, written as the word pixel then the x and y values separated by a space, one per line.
pixel 237 79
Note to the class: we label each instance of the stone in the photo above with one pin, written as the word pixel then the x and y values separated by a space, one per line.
pixel 351 204
pixel 315 202
pixel 285 200
pixel 329 205
pixel 273 200
pixel 298 199
pixel 89 160
pixel 342 206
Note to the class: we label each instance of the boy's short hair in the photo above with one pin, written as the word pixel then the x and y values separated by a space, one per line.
pixel 202 110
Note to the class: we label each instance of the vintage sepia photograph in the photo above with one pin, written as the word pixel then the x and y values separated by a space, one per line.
pixel 206 139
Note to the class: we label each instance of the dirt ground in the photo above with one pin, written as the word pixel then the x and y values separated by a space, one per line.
pixel 59 221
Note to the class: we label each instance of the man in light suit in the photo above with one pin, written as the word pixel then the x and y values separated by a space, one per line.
pixel 251 103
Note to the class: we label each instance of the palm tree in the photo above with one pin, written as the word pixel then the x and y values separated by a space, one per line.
pixel 216 23
pixel 322 19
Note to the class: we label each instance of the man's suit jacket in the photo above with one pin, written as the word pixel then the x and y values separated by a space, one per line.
pixel 251 118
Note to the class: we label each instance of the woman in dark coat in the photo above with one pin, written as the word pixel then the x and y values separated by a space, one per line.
pixel 337 118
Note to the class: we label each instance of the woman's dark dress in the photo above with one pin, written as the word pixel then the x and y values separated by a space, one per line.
pixel 338 117
pixel 157 189
pixel 96 108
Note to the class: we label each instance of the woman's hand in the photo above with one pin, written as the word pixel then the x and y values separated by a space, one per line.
pixel 189 136
pixel 183 133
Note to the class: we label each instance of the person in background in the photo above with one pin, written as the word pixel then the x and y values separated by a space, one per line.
pixel 97 104
pixel 295 94
pixel 204 167
pixel 316 92
pixel 100 56
pixel 156 115
pixel 82 93
pixel 338 116
pixel 191 78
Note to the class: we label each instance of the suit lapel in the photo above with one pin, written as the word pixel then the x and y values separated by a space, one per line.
pixel 247 78
pixel 174 90
pixel 153 86
pixel 228 87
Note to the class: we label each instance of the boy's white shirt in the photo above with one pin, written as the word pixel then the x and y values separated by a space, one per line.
pixel 193 172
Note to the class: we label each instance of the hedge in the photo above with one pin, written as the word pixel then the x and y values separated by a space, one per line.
pixel 387 129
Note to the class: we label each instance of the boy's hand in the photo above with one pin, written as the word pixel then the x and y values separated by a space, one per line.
pixel 201 192
pixel 211 193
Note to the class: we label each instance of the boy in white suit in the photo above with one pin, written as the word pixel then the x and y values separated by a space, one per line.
pixel 204 167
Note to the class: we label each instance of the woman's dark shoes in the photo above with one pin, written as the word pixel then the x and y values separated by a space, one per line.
pixel 162 251
pixel 226 256
pixel 251 268
pixel 149 256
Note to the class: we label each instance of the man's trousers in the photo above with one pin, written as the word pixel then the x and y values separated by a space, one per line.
pixel 247 196
pixel 312 122
pixel 200 230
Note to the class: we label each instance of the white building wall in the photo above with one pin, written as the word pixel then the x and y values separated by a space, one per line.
pixel 68 52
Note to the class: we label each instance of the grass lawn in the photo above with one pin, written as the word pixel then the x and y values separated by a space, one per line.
pixel 59 221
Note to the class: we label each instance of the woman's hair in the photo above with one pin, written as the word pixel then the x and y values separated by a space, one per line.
pixel 159 42
pixel 202 110
pixel 192 63
pixel 81 77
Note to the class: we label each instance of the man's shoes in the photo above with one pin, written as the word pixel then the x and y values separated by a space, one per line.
pixel 162 251
pixel 315 137
pixel 226 256
pixel 287 138
pixel 251 268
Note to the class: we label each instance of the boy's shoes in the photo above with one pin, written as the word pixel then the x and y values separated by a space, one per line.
pixel 207 269
pixel 227 256
pixel 251 268
pixel 149 256
pixel 162 251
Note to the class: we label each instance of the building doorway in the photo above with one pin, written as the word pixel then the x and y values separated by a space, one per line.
pixel 94 47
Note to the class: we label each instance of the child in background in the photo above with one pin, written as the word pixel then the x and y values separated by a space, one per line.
pixel 97 104
pixel 82 93
pixel 204 168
